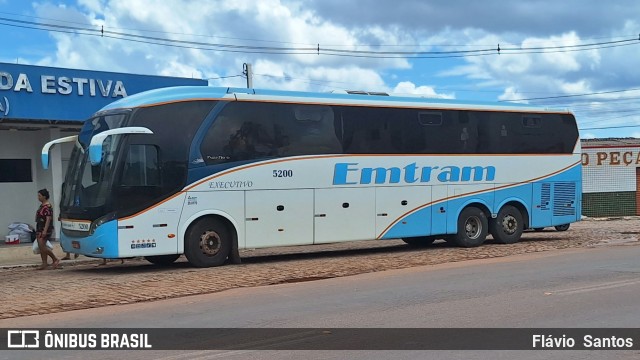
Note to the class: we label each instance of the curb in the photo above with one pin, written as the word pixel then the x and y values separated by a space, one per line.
pixel 63 263
pixel 21 256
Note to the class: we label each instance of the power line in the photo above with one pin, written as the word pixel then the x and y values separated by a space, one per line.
pixel 572 95
pixel 155 31
pixel 611 127
pixel 287 42
pixel 317 50
pixel 225 77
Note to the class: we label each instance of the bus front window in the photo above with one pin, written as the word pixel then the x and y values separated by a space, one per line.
pixel 87 188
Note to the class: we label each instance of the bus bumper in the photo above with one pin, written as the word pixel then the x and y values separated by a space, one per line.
pixel 103 243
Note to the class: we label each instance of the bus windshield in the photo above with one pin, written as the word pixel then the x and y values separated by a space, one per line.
pixel 86 187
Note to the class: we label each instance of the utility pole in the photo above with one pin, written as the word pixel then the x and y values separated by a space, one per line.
pixel 246 70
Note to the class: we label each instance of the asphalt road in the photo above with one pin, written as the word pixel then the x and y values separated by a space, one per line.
pixel 573 288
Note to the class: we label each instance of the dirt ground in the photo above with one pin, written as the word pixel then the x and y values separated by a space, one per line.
pixel 83 285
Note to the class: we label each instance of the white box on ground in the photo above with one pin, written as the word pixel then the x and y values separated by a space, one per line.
pixel 12 239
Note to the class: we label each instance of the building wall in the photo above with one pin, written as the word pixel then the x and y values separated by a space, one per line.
pixel 609 204
pixel 609 178
pixel 18 200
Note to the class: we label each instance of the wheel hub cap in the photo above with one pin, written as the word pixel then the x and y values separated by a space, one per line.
pixel 472 227
pixel 509 224
pixel 210 243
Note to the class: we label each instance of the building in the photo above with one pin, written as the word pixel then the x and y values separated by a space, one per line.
pixel 610 177
pixel 39 104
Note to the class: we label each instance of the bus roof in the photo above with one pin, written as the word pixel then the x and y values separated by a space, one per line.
pixel 192 93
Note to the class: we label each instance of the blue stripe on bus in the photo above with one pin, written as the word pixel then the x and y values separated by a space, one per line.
pixel 418 223
pixel 105 236
pixel 373 99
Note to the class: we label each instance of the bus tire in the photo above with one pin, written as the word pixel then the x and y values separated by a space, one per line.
pixel 207 243
pixel 162 260
pixel 563 227
pixel 472 228
pixel 507 227
pixel 420 241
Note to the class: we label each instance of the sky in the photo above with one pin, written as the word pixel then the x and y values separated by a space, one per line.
pixel 579 55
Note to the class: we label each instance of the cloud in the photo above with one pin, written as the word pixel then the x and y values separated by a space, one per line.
pixel 407 87
pixel 269 24
pixel 403 25
pixel 511 94
pixel 534 17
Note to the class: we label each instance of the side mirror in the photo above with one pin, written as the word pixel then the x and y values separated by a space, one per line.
pixel 95 147
pixel 44 156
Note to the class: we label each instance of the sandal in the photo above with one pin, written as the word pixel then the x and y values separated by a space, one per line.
pixel 75 256
pixel 55 264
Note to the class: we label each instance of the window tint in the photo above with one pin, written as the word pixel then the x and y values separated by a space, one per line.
pixel 370 130
pixel 430 118
pixel 411 131
pixel 518 133
pixel 407 131
pixel 155 165
pixel 174 126
pixel 531 121
pixel 246 130
pixel 141 166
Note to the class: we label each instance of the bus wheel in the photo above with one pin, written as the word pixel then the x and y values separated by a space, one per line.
pixel 419 241
pixel 207 243
pixel 162 260
pixel 472 228
pixel 564 227
pixel 508 226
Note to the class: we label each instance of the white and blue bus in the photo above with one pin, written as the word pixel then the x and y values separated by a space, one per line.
pixel 206 171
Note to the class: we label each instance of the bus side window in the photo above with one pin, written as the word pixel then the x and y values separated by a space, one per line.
pixel 311 130
pixel 468 134
pixel 240 132
pixel 369 131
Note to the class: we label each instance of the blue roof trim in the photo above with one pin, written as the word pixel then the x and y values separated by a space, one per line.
pixel 185 93
pixel 169 94
pixel 395 98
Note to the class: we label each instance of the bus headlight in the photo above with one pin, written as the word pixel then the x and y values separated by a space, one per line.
pixel 101 220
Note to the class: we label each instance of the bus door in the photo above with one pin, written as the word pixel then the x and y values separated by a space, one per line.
pixel 344 214
pixel 541 214
pixel 278 217
pixel 394 203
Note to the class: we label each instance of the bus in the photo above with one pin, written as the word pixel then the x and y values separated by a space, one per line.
pixel 205 172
